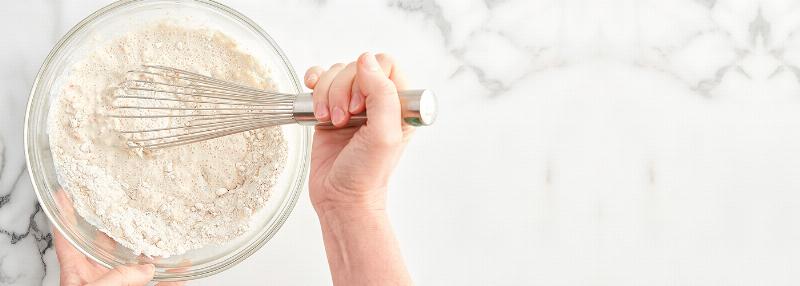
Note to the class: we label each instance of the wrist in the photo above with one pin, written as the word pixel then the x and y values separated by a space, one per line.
pixel 339 211
pixel 335 202
pixel 362 221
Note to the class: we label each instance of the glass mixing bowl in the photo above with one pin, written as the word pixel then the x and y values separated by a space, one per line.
pixel 113 21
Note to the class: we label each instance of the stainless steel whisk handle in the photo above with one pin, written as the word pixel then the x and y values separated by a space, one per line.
pixel 418 108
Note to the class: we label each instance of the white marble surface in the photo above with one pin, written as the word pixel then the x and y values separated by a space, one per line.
pixel 580 142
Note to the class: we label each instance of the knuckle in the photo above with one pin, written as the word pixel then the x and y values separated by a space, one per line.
pixel 337 92
pixel 337 66
pixel 384 58
pixel 385 86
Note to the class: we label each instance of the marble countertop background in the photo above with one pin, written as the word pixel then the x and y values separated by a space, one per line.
pixel 580 142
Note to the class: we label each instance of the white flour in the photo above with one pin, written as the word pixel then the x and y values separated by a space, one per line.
pixel 176 199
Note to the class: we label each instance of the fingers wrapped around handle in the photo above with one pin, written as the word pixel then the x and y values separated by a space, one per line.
pixel 321 89
pixel 339 95
pixel 380 94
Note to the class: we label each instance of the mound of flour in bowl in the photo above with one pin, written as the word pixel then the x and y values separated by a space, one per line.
pixel 168 201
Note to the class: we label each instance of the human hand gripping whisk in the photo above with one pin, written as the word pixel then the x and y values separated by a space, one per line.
pixel 190 107
pixel 350 167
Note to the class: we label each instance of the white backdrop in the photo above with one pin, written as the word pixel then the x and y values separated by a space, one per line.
pixel 579 142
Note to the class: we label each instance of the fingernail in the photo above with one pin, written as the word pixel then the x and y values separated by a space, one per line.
pixel 371 62
pixel 337 116
pixel 321 111
pixel 354 102
pixel 311 78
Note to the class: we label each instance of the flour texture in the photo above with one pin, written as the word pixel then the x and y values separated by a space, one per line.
pixel 168 201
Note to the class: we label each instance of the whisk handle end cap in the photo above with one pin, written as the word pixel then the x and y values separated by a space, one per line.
pixel 419 106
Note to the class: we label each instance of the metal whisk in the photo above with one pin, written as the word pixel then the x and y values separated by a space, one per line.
pixel 188 107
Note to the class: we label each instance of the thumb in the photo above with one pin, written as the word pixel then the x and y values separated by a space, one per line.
pixel 126 275
pixel 383 105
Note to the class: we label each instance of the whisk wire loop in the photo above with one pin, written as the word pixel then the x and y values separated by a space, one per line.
pixel 173 107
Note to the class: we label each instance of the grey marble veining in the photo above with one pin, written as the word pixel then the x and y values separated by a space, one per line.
pixel 623 142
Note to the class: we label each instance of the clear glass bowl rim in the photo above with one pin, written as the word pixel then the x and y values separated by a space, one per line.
pixel 48 205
